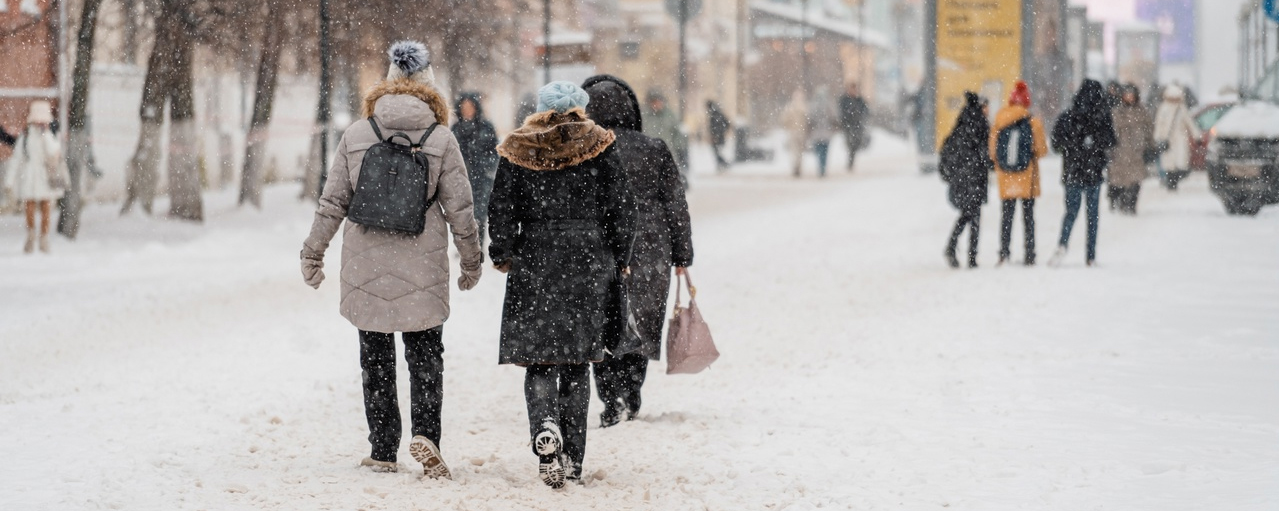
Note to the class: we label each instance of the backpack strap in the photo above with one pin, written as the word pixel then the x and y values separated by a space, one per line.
pixel 376 132
pixel 427 135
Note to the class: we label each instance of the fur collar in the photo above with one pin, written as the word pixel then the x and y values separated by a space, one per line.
pixel 553 141
pixel 407 87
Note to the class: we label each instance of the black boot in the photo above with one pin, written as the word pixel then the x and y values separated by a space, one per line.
pixel 951 260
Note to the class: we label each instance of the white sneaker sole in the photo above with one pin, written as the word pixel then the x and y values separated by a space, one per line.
pixel 425 452
pixel 547 446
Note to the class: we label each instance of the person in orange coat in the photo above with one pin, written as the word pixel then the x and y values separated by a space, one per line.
pixel 1015 184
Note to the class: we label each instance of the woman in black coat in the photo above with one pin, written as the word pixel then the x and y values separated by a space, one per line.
pixel 965 165
pixel 478 141
pixel 663 238
pixel 1084 135
pixel 561 218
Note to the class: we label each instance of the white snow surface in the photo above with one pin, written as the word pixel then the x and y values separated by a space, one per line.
pixel 161 365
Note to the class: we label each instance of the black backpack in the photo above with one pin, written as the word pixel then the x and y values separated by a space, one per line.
pixel 394 179
pixel 1014 146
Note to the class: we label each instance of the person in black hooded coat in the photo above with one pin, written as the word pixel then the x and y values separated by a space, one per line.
pixel 478 141
pixel 965 165
pixel 1084 135
pixel 663 238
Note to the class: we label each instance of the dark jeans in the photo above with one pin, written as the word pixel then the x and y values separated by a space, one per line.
pixel 1124 198
pixel 560 394
pixel 1006 228
pixel 721 164
pixel 854 144
pixel 1074 196
pixel 822 149
pixel 971 219
pixel 424 352
pixel 621 379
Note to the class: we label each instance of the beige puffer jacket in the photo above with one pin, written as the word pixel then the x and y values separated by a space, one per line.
pixel 395 282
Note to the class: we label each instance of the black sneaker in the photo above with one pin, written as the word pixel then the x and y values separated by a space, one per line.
pixel 547 445
pixel 612 414
pixel 572 471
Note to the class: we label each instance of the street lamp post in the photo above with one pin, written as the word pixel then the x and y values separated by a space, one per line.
pixel 546 41
pixel 683 59
pixel 324 112
pixel 803 48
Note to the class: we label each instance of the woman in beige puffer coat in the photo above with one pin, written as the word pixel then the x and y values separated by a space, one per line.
pixel 396 282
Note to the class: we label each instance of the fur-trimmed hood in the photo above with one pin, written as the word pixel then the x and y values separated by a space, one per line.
pixel 406 87
pixel 552 141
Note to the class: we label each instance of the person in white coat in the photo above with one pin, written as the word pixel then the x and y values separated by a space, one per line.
pixel 1174 129
pixel 36 176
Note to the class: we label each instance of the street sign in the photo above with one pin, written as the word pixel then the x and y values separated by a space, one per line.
pixel 1272 10
pixel 691 9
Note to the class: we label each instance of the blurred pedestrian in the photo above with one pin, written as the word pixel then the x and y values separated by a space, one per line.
pixel 718 125
pixel 7 138
pixel 1135 133
pixel 1174 129
pixel 1017 143
pixel 965 165
pixel 853 116
pixel 662 123
pixel 526 107
pixel 561 220
pixel 821 126
pixel 1084 135
pixel 36 175
pixel 663 239
pixel 477 139
pixel 397 281
pixel 795 122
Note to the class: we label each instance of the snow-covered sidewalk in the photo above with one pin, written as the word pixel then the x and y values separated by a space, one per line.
pixel 155 365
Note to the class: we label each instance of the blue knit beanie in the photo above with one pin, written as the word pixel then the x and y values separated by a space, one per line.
pixel 561 97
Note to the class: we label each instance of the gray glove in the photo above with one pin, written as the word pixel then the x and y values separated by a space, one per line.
pixel 313 272
pixel 469 278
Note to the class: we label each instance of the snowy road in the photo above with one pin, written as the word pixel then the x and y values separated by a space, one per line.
pixel 162 366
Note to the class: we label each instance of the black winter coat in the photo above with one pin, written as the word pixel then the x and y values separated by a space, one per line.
pixel 478 141
pixel 853 112
pixel 565 234
pixel 965 157
pixel 717 122
pixel 663 231
pixel 1084 135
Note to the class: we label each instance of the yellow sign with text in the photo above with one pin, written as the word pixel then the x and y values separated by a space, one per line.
pixel 978 49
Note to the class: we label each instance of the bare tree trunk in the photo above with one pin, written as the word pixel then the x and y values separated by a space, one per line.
pixel 264 97
pixel 130 43
pixel 78 148
pixel 316 169
pixel 185 202
pixel 146 158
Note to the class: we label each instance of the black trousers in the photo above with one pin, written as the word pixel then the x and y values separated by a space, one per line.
pixel 424 352
pixel 560 394
pixel 620 379
pixel 1124 198
pixel 967 218
pixel 1028 225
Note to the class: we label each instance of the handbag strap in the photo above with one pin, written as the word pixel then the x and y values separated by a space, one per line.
pixel 680 284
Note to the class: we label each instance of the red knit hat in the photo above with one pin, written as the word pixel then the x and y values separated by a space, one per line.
pixel 1020 95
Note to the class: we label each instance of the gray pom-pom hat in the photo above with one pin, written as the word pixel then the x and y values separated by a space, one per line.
pixel 411 60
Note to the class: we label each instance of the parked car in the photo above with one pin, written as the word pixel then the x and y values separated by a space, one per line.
pixel 1243 158
pixel 1206 118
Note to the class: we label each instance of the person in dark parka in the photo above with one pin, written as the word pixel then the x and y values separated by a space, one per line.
pixel 560 218
pixel 663 238
pixel 1084 135
pixel 853 115
pixel 965 165
pixel 718 125
pixel 478 141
